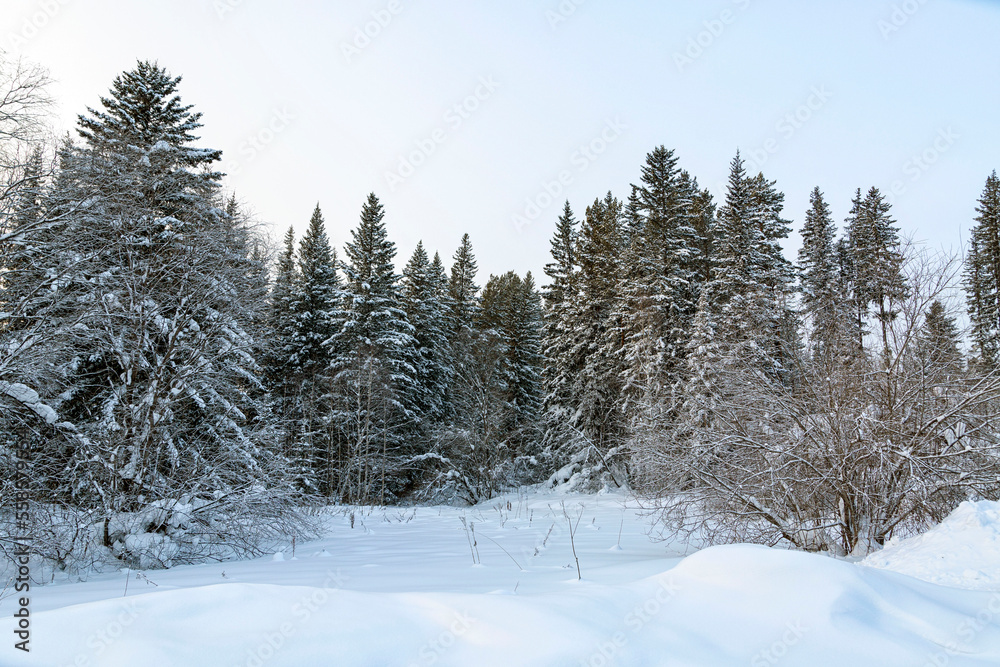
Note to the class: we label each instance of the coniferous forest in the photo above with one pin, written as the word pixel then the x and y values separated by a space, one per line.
pixel 182 387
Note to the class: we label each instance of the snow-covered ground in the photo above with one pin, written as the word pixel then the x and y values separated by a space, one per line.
pixel 401 588
pixel 963 551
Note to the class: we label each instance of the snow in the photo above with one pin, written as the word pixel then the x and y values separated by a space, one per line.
pixel 400 588
pixel 962 551
pixel 29 397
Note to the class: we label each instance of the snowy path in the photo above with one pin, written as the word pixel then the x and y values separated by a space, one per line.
pixel 400 588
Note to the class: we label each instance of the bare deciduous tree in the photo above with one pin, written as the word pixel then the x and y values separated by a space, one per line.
pixel 865 446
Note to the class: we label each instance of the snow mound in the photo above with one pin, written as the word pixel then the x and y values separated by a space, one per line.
pixel 408 595
pixel 963 551
pixel 724 606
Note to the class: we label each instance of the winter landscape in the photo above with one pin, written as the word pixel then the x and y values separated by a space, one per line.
pixel 718 384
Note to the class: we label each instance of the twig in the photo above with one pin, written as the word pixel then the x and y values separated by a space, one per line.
pixel 475 543
pixel 140 575
pixel 572 534
pixel 466 526
pixel 506 552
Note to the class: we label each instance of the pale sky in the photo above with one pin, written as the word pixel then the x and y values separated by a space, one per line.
pixel 493 104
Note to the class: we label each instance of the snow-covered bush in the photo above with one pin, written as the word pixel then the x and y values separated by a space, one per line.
pixel 884 439
pixel 589 471
pixel 164 533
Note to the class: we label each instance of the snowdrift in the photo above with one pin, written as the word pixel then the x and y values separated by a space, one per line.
pixel 404 592
pixel 962 551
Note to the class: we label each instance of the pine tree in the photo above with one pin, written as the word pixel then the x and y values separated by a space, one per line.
pixel 375 370
pixel 982 274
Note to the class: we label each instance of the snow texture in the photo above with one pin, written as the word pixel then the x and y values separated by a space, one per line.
pixel 962 551
pixel 400 588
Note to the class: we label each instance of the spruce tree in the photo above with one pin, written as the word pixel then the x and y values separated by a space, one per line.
pixel 280 314
pixel 511 322
pixel 877 261
pixel 702 384
pixel 315 312
pixel 375 368
pixel 597 385
pixel 463 315
pixel 735 239
pixel 982 274
pixel 701 213
pixel 751 280
pixel 463 289
pixel 280 346
pixel 422 297
pixel 659 281
pixel 23 248
pixel 939 339
pixel 163 392
pixel 560 300
pixel 819 277
pixel 440 279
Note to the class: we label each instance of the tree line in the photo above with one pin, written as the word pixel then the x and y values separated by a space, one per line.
pixel 181 395
pixel 186 390
pixel 825 403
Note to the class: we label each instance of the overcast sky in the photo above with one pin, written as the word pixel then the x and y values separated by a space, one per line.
pixel 464 116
